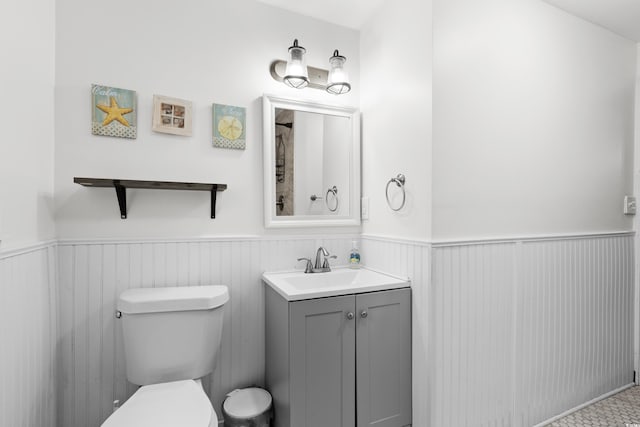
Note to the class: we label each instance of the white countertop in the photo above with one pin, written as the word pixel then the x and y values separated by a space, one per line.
pixel 297 285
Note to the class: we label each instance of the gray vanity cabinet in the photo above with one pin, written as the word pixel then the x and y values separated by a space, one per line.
pixel 341 361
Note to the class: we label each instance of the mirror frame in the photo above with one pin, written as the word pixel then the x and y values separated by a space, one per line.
pixel 271 220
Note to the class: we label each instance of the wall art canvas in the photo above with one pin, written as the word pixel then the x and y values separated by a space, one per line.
pixel 113 112
pixel 229 124
pixel 172 115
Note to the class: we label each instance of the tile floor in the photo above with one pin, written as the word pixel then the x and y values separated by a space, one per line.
pixel 619 410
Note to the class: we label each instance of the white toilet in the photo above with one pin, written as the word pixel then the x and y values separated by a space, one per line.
pixel 171 339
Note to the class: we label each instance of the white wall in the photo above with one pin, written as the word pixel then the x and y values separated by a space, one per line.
pixel 201 51
pixel 27 31
pixel 396 108
pixel 533 121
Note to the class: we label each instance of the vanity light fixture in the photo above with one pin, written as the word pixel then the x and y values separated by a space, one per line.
pixel 296 74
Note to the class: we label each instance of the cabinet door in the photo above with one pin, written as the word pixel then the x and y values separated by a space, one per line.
pixel 384 358
pixel 323 362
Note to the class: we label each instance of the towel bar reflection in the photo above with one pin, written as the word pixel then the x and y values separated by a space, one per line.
pixel 399 181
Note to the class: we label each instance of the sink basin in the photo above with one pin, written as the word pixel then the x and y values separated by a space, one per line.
pixel 297 285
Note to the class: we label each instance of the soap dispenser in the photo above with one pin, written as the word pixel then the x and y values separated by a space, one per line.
pixel 354 257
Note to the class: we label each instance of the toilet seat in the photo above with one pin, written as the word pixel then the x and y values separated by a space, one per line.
pixel 176 403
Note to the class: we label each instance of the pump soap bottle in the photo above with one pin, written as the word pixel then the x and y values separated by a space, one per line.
pixel 354 257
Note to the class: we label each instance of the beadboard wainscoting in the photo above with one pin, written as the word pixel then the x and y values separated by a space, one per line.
pixel 472 300
pixel 28 333
pixel 516 331
pixel 410 259
pixel 510 332
pixel 573 325
pixel 93 273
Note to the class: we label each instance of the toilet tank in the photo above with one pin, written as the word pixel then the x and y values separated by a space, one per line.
pixel 171 333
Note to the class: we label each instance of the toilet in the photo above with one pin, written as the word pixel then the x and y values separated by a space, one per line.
pixel 171 339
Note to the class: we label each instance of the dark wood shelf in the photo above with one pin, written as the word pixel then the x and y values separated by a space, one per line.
pixel 121 185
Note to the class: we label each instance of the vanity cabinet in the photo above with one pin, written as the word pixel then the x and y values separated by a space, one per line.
pixel 340 361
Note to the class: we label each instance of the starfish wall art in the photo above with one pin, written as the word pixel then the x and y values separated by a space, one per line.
pixel 113 112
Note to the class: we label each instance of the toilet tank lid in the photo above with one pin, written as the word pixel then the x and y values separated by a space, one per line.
pixel 176 298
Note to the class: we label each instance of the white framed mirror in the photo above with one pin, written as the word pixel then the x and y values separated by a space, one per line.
pixel 311 164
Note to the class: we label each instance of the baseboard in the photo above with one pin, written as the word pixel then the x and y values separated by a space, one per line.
pixel 584 405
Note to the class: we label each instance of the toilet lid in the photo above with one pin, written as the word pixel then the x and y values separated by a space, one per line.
pixel 177 403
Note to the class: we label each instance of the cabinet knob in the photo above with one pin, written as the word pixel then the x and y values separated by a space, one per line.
pixel 364 314
pixel 350 315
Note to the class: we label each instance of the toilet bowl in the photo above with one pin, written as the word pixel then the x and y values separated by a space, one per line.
pixel 172 404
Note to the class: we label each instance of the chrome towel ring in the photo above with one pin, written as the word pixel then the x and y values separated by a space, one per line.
pixel 399 180
pixel 332 190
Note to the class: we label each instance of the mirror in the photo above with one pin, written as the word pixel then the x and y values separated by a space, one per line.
pixel 311 164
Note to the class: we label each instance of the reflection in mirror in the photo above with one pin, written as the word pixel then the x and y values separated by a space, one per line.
pixel 312 164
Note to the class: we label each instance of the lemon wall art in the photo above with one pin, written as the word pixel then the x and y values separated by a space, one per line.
pixel 171 115
pixel 229 124
pixel 113 112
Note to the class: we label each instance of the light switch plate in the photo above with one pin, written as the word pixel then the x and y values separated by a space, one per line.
pixel 365 208
pixel 629 205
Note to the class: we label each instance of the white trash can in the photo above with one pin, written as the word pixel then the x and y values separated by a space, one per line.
pixel 248 407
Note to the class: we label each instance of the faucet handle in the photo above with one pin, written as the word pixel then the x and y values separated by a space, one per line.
pixel 326 261
pixel 309 267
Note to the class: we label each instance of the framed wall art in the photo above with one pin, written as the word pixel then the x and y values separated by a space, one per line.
pixel 172 115
pixel 113 112
pixel 229 124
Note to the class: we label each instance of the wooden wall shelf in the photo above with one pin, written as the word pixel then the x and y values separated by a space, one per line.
pixel 121 185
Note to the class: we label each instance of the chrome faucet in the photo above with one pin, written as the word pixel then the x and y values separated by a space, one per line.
pixel 321 252
pixel 322 262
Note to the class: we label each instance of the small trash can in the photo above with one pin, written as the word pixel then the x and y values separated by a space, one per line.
pixel 248 407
